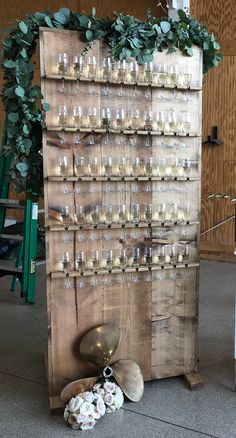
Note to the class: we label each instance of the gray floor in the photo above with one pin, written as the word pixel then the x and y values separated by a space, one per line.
pixel 167 409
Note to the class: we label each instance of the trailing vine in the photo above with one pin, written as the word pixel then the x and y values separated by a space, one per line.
pixel 126 36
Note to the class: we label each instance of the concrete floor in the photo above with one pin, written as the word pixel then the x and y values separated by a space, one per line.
pixel 167 410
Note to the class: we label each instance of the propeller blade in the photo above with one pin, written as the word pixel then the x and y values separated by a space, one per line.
pixel 129 377
pixel 76 387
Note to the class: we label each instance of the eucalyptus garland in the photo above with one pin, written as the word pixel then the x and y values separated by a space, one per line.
pixel 126 36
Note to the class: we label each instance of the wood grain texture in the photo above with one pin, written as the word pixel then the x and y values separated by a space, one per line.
pixel 219 109
pixel 156 311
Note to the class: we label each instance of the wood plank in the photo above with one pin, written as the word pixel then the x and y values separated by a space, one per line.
pixel 194 381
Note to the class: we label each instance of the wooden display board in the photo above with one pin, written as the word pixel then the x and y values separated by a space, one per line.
pixel 91 205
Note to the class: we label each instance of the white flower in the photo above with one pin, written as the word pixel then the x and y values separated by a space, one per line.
pixel 109 387
pixel 86 425
pixel 82 417
pixel 111 408
pixel 109 399
pixel 75 403
pixel 88 396
pixel 96 415
pixel 66 413
pixel 87 408
pixel 119 400
pixel 100 407
pixel 97 396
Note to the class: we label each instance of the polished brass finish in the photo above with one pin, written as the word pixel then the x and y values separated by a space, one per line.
pixel 99 344
pixel 76 387
pixel 129 377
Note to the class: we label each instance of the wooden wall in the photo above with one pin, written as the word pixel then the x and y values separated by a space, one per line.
pixel 219 108
pixel 13 10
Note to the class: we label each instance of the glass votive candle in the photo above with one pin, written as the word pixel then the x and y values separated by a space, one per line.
pixel 133 71
pixel 135 167
pixel 65 262
pixel 135 119
pixel 94 215
pixel 148 213
pixel 109 260
pixel 108 169
pixel 122 212
pixel 187 76
pixel 62 115
pixel 136 255
pixel 162 211
pixel 186 123
pixel 63 165
pixel 148 256
pixel 161 74
pixel 108 213
pixel 94 167
pixel 160 121
pixel 172 75
pixel 62 64
pixel 78 65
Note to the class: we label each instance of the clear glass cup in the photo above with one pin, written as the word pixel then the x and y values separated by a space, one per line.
pixel 120 119
pixel 109 260
pixel 173 254
pixel 172 73
pixel 62 115
pixel 91 67
pixel 148 120
pixel 80 167
pixel 65 262
pixel 148 165
pixel 186 123
pixel 148 255
pixel 186 163
pixel 174 212
pixel 108 213
pixel 148 72
pixel 148 213
pixel 162 211
pixel 123 258
pixel 94 216
pixel 121 70
pixel 80 262
pixel 122 167
pixel 108 167
pixel 172 121
pixel 160 251
pixel 77 116
pixel 187 76
pixel 78 66
pixel 63 165
pixel 62 64
pixel 93 119
pixel 161 74
pixel 135 119
pixel 136 253
pixel 135 167
pixel 79 215
pixel 135 209
pixel 122 212
pixel 187 213
pixel 160 121
pixel 106 118
pixel 106 69
pixel 66 216
pixel 183 254
pixel 133 71
pixel 95 260
pixel 94 167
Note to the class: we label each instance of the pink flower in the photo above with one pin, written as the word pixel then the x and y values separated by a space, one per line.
pixel 101 407
pixel 109 387
pixel 87 408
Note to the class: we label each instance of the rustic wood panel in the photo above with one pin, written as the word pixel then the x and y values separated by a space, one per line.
pixel 219 109
pixel 156 309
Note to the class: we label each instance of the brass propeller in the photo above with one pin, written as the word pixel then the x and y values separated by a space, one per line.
pixel 98 346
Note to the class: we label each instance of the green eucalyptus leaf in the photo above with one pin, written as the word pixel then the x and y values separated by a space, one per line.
pixel 26 129
pixel 19 91
pixel 48 21
pixel 45 106
pixel 83 21
pixel 205 45
pixel 89 35
pixel 216 45
pixel 23 27
pixel 189 51
pixel 22 167
pixel 165 26
pixel 40 16
pixel 13 117
pixel 93 12
pixel 65 11
pixel 58 16
pixel 8 63
pixel 7 42
pixel 23 53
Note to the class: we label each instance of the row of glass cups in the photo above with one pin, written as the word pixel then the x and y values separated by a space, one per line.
pixel 89 67
pixel 122 259
pixel 163 121
pixel 125 166
pixel 122 214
